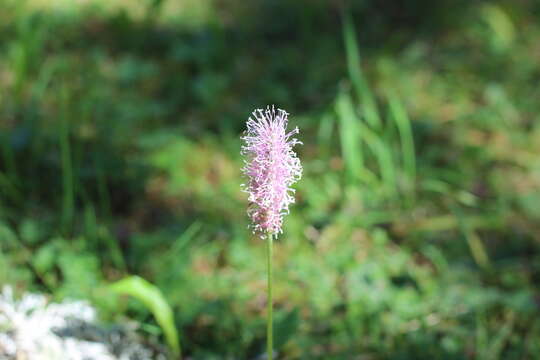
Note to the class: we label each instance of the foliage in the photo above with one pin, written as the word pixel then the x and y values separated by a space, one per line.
pixel 415 233
pixel 152 298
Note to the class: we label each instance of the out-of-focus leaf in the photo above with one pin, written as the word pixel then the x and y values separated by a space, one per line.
pixel 501 25
pixel 7 235
pixel 154 300
pixel 286 327
pixel 45 258
pixel 29 231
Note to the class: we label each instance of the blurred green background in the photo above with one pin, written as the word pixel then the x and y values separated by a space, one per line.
pixel 416 232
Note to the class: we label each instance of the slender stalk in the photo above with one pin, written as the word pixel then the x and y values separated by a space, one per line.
pixel 269 329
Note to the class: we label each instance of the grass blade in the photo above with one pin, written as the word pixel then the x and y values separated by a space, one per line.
pixel 478 251
pixel 365 95
pixel 383 154
pixel 351 147
pixel 324 134
pixel 400 117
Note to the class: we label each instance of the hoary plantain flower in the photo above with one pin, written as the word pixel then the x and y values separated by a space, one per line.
pixel 271 167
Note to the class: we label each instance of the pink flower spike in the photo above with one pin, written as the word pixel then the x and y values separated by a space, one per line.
pixel 271 167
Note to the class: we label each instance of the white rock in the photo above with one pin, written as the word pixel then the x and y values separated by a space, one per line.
pixel 34 329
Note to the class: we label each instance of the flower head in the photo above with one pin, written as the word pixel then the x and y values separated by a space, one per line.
pixel 271 167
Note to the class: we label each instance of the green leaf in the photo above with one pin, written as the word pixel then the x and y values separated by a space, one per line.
pixel 45 258
pixel 7 235
pixel 154 300
pixel 286 327
pixel 29 231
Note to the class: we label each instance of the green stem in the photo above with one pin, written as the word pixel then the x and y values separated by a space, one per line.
pixel 269 329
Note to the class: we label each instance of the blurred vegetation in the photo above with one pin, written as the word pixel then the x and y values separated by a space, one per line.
pixel 416 230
